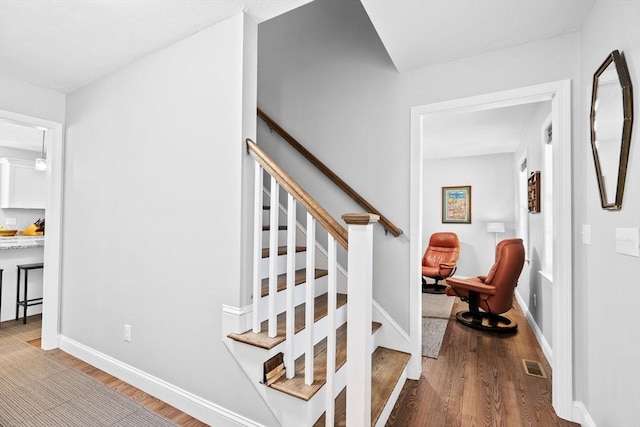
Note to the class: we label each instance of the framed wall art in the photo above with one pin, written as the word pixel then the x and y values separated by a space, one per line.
pixel 456 204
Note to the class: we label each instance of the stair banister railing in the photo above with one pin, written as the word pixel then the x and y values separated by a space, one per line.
pixel 384 221
pixel 360 266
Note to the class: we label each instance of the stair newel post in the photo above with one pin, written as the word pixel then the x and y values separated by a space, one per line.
pixel 273 256
pixel 309 299
pixel 257 244
pixel 360 281
pixel 289 360
pixel 332 293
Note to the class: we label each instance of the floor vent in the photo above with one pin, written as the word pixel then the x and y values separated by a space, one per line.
pixel 534 368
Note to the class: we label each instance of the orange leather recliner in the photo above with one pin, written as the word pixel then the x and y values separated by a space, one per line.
pixel 492 293
pixel 439 261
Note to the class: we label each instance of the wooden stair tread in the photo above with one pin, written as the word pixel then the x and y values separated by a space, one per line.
pixel 386 367
pixel 296 386
pixel 282 250
pixel 280 227
pixel 301 277
pixel 262 339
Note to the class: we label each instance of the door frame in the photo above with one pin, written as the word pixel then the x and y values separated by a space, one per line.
pixel 53 212
pixel 559 93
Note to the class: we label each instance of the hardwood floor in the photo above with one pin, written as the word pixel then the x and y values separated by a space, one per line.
pixel 479 380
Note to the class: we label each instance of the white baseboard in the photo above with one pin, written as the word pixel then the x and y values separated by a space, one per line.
pixel 187 402
pixel 546 348
pixel 581 415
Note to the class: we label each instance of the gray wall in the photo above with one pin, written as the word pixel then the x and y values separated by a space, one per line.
pixel 324 75
pixel 607 293
pixel 492 199
pixel 153 212
pixel 530 282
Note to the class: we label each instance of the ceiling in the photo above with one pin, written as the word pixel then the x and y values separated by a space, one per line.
pixel 474 133
pixel 417 34
pixel 65 44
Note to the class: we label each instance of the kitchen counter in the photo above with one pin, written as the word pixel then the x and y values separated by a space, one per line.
pixel 21 242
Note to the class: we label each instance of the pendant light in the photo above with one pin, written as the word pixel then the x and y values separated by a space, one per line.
pixel 41 162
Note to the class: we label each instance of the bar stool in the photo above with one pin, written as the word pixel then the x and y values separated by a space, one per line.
pixel 26 302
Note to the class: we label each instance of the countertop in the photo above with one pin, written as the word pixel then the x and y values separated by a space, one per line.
pixel 21 242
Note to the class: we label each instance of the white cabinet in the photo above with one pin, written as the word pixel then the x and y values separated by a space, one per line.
pixel 21 186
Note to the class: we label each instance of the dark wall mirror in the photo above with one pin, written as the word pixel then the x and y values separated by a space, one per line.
pixel 611 120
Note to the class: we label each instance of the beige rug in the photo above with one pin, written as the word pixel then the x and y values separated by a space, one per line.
pixel 436 311
pixel 37 390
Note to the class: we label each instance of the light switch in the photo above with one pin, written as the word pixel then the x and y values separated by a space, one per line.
pixel 10 221
pixel 586 234
pixel 628 241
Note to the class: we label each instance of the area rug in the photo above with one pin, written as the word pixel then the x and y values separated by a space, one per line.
pixel 436 311
pixel 36 390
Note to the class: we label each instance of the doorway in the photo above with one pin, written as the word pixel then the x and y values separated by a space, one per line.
pixel 559 94
pixel 53 240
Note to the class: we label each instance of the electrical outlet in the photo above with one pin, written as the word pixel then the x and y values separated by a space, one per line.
pixel 127 333
pixel 10 221
pixel 534 300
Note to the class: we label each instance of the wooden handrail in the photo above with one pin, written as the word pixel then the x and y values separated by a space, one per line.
pixel 384 221
pixel 310 204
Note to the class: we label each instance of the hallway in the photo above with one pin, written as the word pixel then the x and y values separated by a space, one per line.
pixel 479 380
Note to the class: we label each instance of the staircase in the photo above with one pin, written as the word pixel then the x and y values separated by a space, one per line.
pixel 294 348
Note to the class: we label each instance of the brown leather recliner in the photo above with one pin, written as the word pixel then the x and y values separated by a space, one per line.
pixel 492 293
pixel 439 260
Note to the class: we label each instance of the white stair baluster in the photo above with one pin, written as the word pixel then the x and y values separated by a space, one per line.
pixel 273 257
pixel 331 331
pixel 257 244
pixel 360 280
pixel 309 299
pixel 289 356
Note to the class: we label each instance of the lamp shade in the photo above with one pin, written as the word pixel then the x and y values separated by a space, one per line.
pixel 495 227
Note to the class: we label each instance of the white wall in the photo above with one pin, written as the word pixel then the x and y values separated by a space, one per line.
pixel 492 199
pixel 153 212
pixel 326 78
pixel 608 294
pixel 530 282
pixel 31 100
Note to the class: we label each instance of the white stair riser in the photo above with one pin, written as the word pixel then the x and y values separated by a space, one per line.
pixel 298 298
pixel 282 264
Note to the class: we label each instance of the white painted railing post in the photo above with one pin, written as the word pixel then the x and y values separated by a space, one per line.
pixel 310 299
pixel 257 245
pixel 332 293
pixel 273 256
pixel 360 280
pixel 289 357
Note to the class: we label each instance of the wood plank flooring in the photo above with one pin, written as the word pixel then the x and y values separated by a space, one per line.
pixel 479 380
